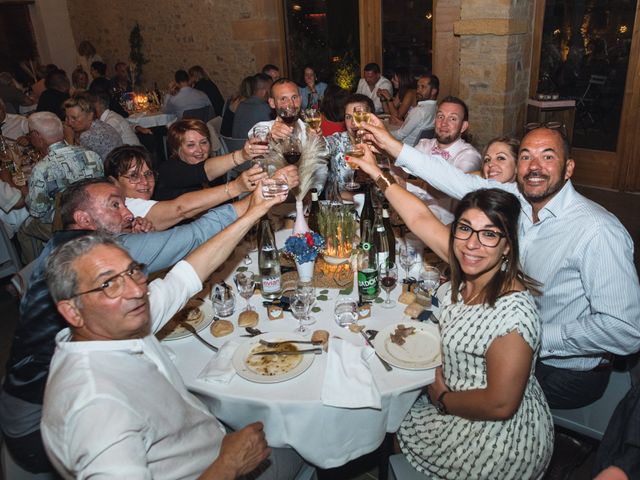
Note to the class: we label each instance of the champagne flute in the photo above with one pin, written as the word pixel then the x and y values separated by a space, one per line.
pixel 357 152
pixel 360 115
pixel 299 309
pixel 388 275
pixel 245 283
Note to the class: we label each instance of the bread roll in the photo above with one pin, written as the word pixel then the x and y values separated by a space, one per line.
pixel 322 337
pixel 220 328
pixel 413 310
pixel 248 319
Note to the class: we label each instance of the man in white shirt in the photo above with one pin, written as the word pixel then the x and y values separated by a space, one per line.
pixel 582 255
pixel 372 82
pixel 423 115
pixel 184 96
pixel 117 121
pixel 111 375
pixel 12 126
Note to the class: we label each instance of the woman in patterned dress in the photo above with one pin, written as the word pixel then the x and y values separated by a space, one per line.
pixel 485 416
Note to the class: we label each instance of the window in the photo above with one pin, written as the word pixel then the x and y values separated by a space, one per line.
pixel 16 38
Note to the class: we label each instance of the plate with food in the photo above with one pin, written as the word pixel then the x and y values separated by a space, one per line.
pixel 198 313
pixel 410 345
pixel 271 368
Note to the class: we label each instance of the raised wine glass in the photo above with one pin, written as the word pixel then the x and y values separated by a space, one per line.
pixel 312 118
pixel 357 152
pixel 388 275
pixel 245 283
pixel 292 150
pixel 288 114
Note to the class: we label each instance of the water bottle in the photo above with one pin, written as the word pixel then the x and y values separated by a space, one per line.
pixel 269 261
pixel 368 287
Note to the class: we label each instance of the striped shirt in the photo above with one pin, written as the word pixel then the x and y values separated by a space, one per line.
pixel 582 254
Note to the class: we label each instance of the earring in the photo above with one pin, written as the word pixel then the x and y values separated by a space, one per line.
pixel 505 264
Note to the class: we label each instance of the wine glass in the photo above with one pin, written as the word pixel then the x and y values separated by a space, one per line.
pixel 307 292
pixel 429 280
pixel 312 118
pixel 299 309
pixel 388 275
pixel 245 283
pixel 261 135
pixel 357 152
pixel 345 310
pixel 292 150
pixel 288 114
pixel 408 258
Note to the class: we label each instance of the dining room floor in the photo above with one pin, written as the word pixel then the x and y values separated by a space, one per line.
pixel 573 454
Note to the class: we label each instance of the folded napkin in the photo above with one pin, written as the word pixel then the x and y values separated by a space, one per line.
pixel 219 368
pixel 348 382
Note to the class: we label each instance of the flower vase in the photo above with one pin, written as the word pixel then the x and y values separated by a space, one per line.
pixel 301 226
pixel 305 270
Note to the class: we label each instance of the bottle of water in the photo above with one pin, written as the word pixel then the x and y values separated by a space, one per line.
pixel 368 287
pixel 269 261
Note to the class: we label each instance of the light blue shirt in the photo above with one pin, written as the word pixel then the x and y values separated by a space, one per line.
pixel 580 252
pixel 186 99
pixel 419 118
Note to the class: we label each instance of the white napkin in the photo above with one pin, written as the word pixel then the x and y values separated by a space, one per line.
pixel 219 368
pixel 348 382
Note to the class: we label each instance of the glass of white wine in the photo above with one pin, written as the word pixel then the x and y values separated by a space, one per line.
pixel 312 118
pixel 357 152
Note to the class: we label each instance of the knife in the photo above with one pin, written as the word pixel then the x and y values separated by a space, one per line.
pixel 317 351
pixel 367 341
pixel 189 327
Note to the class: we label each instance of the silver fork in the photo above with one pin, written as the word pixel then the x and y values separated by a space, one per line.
pixel 275 344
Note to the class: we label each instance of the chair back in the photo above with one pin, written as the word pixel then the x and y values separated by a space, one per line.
pixel 233 144
pixel 216 123
pixel 203 113
pixel 428 133
pixel 217 146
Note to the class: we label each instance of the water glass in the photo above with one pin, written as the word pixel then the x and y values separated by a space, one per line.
pixel 274 185
pixel 429 280
pixel 307 292
pixel 223 299
pixel 345 311
pixel 245 283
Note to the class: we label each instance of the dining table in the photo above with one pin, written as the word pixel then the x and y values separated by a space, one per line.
pixel 151 118
pixel 292 411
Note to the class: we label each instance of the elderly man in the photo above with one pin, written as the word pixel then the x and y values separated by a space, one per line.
pixel 423 115
pixel 255 108
pixel 372 82
pixel 103 295
pixel 582 255
pixel 12 126
pixel 117 121
pixel 56 94
pixel 91 133
pixel 88 205
pixel 185 97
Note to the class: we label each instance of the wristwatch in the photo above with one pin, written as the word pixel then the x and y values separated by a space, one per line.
pixel 439 404
pixel 384 181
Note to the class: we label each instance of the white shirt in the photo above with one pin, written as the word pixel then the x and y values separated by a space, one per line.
pixel 122 126
pixel 15 126
pixel 580 252
pixel 139 206
pixel 382 84
pixel 460 154
pixel 11 218
pixel 419 118
pixel 119 408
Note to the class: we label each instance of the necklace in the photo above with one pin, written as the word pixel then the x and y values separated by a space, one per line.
pixel 473 297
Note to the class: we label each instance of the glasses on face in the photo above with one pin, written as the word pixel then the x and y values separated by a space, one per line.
pixel 488 238
pixel 557 126
pixel 137 177
pixel 113 286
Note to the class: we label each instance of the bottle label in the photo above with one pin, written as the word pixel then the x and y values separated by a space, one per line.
pixel 382 257
pixel 368 282
pixel 271 284
pixel 366 246
pixel 380 228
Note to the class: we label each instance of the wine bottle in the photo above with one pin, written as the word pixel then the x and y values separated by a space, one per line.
pixel 380 241
pixel 368 287
pixel 314 208
pixel 391 238
pixel 268 261
pixel 368 212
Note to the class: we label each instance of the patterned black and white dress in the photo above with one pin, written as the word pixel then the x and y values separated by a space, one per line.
pixel 452 447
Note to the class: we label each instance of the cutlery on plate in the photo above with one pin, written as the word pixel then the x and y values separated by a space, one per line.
pixel 316 351
pixel 367 339
pixel 252 331
pixel 275 344
pixel 193 332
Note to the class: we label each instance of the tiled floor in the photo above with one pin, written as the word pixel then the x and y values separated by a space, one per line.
pixel 567 452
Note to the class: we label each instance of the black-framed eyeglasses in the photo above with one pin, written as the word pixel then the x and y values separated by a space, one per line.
pixel 135 178
pixel 113 286
pixel 488 238
pixel 557 126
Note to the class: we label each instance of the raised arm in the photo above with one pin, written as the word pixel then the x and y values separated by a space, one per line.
pixel 215 167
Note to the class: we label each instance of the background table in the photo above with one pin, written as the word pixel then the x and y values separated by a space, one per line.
pixel 151 119
pixel 292 411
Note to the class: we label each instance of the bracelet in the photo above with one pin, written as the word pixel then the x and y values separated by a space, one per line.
pixel 226 189
pixel 440 406
pixel 384 181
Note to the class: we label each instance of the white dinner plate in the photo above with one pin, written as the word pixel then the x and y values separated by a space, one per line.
pixel 239 360
pixel 420 351
pixel 180 332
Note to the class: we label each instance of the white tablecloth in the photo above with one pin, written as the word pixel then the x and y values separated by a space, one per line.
pixel 149 120
pixel 291 411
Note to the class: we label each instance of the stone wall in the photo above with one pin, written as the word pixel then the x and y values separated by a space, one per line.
pixel 495 65
pixel 230 39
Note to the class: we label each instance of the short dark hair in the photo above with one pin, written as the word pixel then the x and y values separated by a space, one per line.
pixel 457 101
pixel 181 76
pixel 57 80
pixel 102 97
pixel 260 80
pixel 433 80
pixel 281 81
pixel 75 198
pixel 100 67
pixel 268 67
pixel 119 160
pixel 360 98
pixel 372 67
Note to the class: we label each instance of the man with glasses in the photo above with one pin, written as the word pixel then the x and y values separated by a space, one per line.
pixel 109 371
pixel 583 256
pixel 61 166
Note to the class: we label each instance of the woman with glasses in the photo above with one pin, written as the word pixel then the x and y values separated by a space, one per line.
pixel 485 415
pixel 130 168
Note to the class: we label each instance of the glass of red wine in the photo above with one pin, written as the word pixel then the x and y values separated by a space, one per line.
pixel 289 114
pixel 292 149
pixel 388 275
